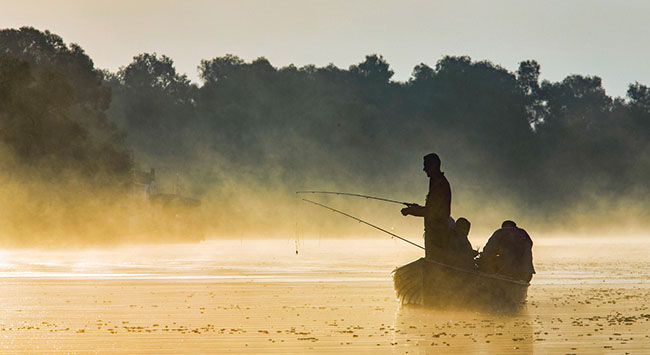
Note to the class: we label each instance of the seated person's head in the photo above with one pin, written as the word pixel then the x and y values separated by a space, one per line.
pixel 508 224
pixel 462 226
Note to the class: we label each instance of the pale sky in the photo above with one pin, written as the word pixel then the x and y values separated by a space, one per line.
pixel 592 37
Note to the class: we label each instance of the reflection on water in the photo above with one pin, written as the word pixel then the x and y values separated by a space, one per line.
pixel 468 332
pixel 225 260
pixel 334 296
pixel 558 261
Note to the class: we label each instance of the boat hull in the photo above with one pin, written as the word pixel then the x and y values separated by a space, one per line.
pixel 429 283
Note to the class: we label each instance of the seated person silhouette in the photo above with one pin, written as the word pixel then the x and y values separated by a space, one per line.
pixel 508 252
pixel 460 249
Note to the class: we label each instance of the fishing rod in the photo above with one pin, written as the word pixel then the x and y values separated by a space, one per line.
pixel 364 222
pixel 355 195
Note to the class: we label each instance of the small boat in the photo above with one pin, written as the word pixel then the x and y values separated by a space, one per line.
pixel 430 283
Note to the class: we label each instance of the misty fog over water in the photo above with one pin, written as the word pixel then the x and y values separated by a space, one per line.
pixel 557 157
pixel 559 261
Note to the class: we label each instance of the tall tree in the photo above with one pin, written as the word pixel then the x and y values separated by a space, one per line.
pixel 53 106
pixel 155 104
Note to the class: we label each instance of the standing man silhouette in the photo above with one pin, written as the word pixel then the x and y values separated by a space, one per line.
pixel 436 210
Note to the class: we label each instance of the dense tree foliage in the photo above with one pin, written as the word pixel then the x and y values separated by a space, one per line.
pixel 545 146
pixel 154 104
pixel 52 109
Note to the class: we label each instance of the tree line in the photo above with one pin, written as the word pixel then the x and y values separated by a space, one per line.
pixel 545 146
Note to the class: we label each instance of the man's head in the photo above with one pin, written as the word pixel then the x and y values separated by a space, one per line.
pixel 508 224
pixel 462 226
pixel 431 164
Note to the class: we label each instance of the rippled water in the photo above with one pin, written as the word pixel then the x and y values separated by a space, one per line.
pixel 333 296
pixel 558 261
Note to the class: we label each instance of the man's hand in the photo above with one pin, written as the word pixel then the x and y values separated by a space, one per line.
pixel 409 208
